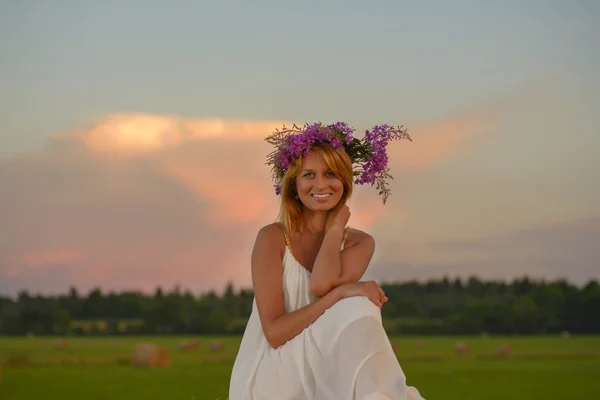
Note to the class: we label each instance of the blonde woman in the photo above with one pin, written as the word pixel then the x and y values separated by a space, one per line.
pixel 315 330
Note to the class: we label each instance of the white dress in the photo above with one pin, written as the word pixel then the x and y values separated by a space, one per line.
pixel 344 355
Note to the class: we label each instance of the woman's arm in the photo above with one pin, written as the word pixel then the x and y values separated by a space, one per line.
pixel 327 267
pixel 346 266
pixel 332 267
pixel 279 326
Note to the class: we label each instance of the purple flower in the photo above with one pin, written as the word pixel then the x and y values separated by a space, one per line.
pixel 369 155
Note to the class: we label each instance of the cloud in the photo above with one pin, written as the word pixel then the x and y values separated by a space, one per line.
pixel 437 138
pixel 70 217
pixel 431 141
pixel 139 200
pixel 132 134
pixel 560 249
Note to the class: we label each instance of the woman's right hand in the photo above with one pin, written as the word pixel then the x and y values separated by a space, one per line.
pixel 368 289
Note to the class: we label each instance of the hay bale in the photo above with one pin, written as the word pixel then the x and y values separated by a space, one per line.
pixel 18 360
pixel 462 348
pixel 188 345
pixel 150 355
pixel 217 347
pixel 504 349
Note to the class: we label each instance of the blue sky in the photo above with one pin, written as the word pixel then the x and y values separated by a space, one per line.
pixel 510 88
pixel 69 61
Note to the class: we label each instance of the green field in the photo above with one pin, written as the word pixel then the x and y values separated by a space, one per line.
pixel 98 368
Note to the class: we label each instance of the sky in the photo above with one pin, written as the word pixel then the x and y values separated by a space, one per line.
pixel 132 150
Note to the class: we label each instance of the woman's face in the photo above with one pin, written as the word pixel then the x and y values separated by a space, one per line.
pixel 318 187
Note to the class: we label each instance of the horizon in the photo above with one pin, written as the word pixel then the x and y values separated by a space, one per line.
pixel 238 289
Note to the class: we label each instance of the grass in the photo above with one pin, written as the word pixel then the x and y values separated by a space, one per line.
pixel 96 368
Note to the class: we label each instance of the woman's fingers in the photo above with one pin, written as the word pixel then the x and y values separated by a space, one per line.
pixel 378 300
pixel 382 294
pixel 372 290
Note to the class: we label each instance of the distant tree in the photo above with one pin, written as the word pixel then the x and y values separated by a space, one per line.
pixel 442 306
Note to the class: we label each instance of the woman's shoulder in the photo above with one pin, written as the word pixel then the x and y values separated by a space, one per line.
pixel 355 236
pixel 271 233
pixel 269 245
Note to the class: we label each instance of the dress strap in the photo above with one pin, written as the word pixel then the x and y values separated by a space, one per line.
pixel 287 238
pixel 345 237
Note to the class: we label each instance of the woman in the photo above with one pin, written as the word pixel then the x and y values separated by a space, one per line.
pixel 315 331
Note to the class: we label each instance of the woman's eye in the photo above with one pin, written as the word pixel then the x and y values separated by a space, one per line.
pixel 310 174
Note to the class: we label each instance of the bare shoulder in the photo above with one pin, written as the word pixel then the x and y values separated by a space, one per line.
pixel 356 254
pixel 271 233
pixel 357 236
pixel 270 237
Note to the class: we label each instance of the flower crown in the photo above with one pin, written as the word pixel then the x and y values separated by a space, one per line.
pixel 368 155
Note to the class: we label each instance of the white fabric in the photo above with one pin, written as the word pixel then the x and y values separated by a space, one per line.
pixel 344 355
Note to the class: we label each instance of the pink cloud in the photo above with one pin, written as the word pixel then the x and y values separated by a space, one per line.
pixel 432 141
pixel 435 139
pixel 133 134
pixel 142 200
pixel 234 182
pixel 52 257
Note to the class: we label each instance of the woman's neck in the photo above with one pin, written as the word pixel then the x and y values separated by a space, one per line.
pixel 314 222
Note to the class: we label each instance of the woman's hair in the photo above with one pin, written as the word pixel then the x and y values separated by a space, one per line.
pixel 290 212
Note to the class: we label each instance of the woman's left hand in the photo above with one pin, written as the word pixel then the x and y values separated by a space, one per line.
pixel 339 218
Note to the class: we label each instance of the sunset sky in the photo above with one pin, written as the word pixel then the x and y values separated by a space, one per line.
pixel 132 151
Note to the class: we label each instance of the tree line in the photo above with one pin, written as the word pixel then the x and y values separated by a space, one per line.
pixel 442 306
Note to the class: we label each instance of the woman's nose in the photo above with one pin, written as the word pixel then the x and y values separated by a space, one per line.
pixel 320 182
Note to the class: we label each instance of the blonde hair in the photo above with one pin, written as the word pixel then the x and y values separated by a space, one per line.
pixel 291 208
